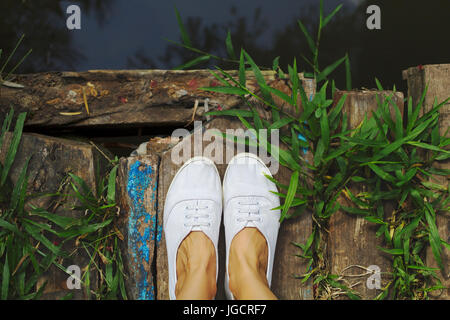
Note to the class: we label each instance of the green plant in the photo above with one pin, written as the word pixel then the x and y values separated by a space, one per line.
pixel 384 154
pixel 4 78
pixel 32 239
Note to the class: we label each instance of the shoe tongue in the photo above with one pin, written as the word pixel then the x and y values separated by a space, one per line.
pixel 250 224
pixel 196 228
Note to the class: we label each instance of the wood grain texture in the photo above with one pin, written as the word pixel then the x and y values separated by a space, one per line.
pixel 51 160
pixel 437 77
pixel 352 241
pixel 286 265
pixel 137 198
pixel 122 98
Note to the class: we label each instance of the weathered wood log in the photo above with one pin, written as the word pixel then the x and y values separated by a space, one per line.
pixel 286 264
pixel 128 98
pixel 352 241
pixel 137 198
pixel 51 161
pixel 437 78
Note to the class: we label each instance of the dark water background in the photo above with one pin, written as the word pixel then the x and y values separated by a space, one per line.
pixel 129 34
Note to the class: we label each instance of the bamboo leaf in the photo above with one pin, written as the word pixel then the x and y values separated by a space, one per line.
pixel 226 90
pixel 331 15
pixel 382 174
pixel 309 39
pixel 242 75
pixel 276 63
pixel 184 34
pixel 348 73
pixel 193 62
pixel 328 70
pixel 14 145
pixel 232 112
pixel 5 279
pixel 229 45
pixel 111 194
pixel 290 195
pixel 434 238
pixel 395 252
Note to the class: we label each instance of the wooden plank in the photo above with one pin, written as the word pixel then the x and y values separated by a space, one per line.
pixel 125 98
pixel 437 77
pixel 137 198
pixel 351 240
pixel 286 264
pixel 168 169
pixel 52 159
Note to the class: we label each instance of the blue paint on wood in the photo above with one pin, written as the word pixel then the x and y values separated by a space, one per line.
pixel 142 228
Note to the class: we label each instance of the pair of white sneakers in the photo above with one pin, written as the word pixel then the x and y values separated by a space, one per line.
pixel 194 203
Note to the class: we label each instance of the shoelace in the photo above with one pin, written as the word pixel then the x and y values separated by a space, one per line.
pixel 249 211
pixel 195 216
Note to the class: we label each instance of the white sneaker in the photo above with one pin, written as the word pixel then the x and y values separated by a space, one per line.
pixel 193 203
pixel 248 203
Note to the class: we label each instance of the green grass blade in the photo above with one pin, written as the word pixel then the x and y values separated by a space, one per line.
pixel 325 129
pixel 276 63
pixel 281 123
pixel 11 55
pixel 18 64
pixel 6 125
pixel 19 187
pixel 226 90
pixel 229 45
pixel 193 62
pixel 331 15
pixel 328 70
pixel 308 37
pixel 61 221
pixel 378 83
pixel 290 195
pixel 348 73
pixel 231 112
pixel 111 194
pixel 5 279
pixel 184 34
pixel 259 78
pixel 8 226
pixel 242 75
pixel 434 238
pixel 17 135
